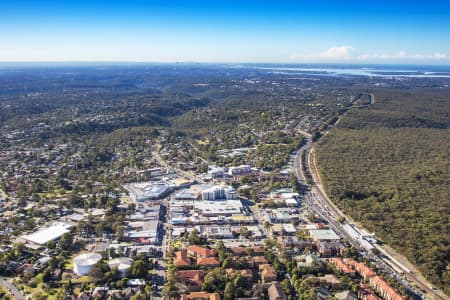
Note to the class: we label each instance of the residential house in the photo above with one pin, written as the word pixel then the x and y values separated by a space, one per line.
pixel 252 251
pixel 384 289
pixel 342 266
pixel 192 279
pixel 267 273
pixel 323 293
pixel 83 296
pixel 330 280
pixel 257 260
pixel 201 295
pixel 246 273
pixel 346 295
pixel 209 262
pixel 276 292
pixel 329 248
pixel 198 251
pixel 114 295
pixel 181 259
pixel 100 292
pixel 362 269
pixel 366 293
pixel 292 241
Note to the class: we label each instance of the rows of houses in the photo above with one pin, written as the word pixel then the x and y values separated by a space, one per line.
pixel 351 267
pixel 251 264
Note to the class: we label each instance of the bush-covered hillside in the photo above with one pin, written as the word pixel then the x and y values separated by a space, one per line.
pixel 389 167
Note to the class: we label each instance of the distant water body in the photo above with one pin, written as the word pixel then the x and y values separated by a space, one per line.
pixel 370 71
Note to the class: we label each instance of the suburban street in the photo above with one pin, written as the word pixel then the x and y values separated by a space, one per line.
pixel 12 289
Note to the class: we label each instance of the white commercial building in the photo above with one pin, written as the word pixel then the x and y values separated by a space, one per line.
pixel 292 202
pixel 324 235
pixel 215 172
pixel 82 264
pixel 49 233
pixel 145 191
pixel 219 193
pixel 219 208
pixel 289 228
pixel 240 170
pixel 176 218
pixel 219 232
pixel 146 230
pixel 186 195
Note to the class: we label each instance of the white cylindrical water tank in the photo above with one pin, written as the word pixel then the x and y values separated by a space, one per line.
pixel 83 263
pixel 123 264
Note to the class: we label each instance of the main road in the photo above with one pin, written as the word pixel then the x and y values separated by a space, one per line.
pixel 316 198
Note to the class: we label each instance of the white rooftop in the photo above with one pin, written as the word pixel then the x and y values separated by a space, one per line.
pixel 289 195
pixel 76 217
pixel 289 228
pixel 219 207
pixel 87 259
pixel 291 201
pixel 324 234
pixel 120 263
pixel 147 190
pixel 133 282
pixel 49 233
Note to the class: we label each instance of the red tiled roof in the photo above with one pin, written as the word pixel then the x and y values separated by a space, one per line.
pixel 364 270
pixel 366 294
pixel 259 260
pixel 276 292
pixel 247 273
pixel 201 295
pixel 247 251
pixel 258 250
pixel 143 240
pixel 350 261
pixel 181 259
pixel 385 289
pixel 208 261
pixel 267 271
pixel 238 250
pixel 190 276
pixel 341 265
pixel 202 251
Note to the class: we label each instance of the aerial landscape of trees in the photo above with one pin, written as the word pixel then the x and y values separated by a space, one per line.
pixel 72 139
pixel 388 167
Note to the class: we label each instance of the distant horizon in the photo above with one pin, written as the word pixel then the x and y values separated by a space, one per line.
pixel 112 63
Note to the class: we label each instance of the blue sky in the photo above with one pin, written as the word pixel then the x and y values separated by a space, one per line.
pixel 226 31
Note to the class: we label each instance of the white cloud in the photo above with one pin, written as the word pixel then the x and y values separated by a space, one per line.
pixel 401 55
pixel 439 55
pixel 339 52
pixel 333 53
pixel 347 53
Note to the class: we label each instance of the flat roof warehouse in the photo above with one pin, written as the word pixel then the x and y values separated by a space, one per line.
pixel 49 233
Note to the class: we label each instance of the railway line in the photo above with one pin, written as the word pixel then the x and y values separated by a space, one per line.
pixel 316 198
